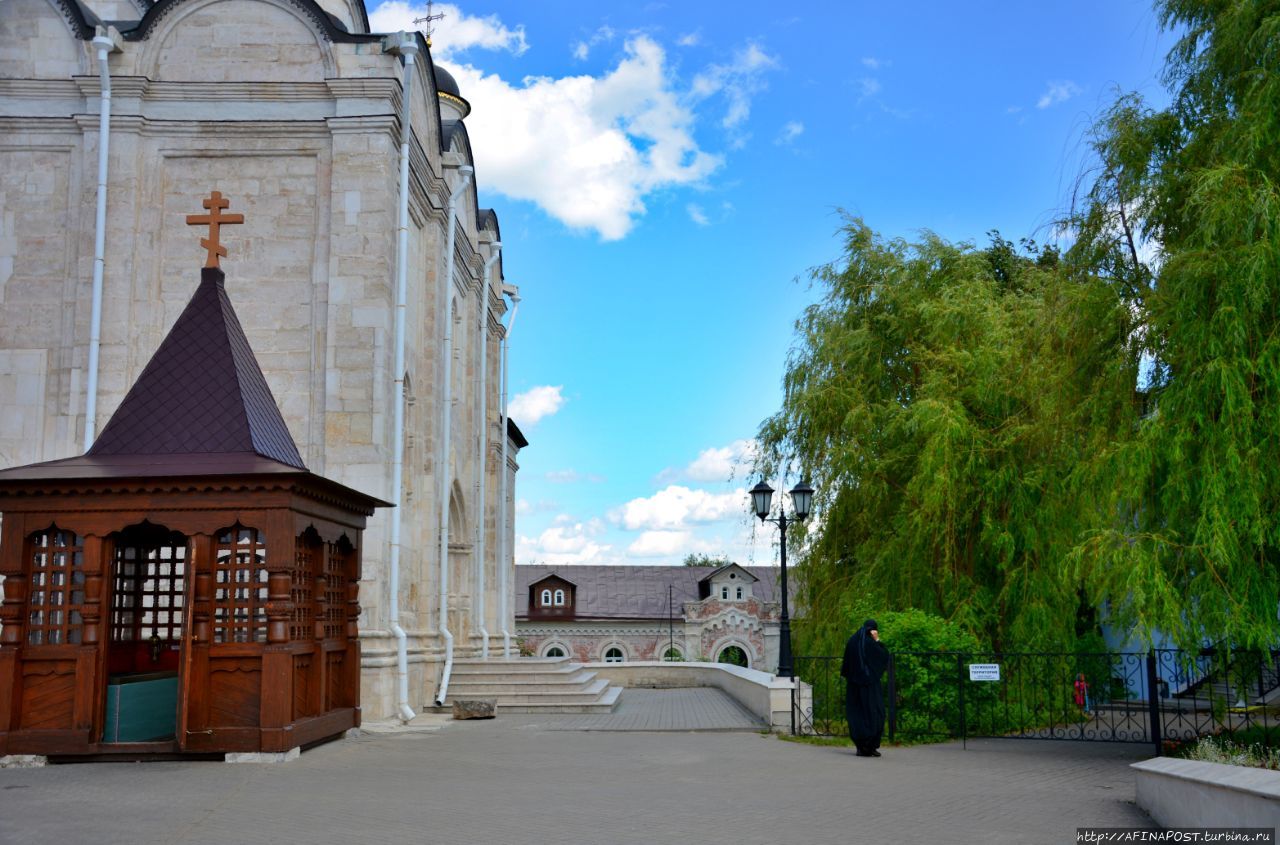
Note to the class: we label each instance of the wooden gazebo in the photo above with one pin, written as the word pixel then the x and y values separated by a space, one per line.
pixel 186 585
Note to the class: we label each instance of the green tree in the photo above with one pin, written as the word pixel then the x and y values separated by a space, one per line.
pixel 941 398
pixel 693 559
pixel 1195 549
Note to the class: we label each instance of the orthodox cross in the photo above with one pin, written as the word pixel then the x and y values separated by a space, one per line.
pixel 214 219
pixel 429 20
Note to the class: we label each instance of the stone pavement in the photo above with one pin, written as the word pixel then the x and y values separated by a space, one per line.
pixel 695 709
pixel 524 779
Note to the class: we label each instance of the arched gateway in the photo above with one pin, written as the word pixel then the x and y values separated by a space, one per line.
pixel 186 585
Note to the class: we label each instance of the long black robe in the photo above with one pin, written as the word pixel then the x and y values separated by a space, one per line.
pixel 864 663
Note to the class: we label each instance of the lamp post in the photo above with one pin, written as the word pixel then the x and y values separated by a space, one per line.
pixel 801 498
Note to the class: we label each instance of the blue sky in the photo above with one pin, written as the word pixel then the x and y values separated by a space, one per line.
pixel 665 173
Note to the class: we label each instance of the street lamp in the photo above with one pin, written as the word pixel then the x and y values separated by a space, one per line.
pixel 801 498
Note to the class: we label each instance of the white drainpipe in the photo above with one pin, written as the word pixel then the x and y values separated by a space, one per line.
pixel 482 457
pixel 407 47
pixel 442 463
pixel 105 45
pixel 504 600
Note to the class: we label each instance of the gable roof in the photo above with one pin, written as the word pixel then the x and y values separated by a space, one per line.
pixel 202 391
pixel 633 592
pixel 722 569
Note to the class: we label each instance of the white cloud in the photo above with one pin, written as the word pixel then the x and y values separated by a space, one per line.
pixel 454 34
pixel 689 39
pixel 534 404
pixel 663 544
pixel 791 130
pixel 582 49
pixel 871 62
pixel 565 542
pixel 738 81
pixel 715 464
pixel 676 506
pixel 868 87
pixel 1057 92
pixel 586 149
pixel 696 214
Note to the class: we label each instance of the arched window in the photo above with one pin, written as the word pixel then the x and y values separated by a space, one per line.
pixel 734 655
pixel 673 655
pixel 739 594
pixel 724 593
pixel 559 600
pixel 546 598
pixel 614 655
pixel 240 586
pixel 554 651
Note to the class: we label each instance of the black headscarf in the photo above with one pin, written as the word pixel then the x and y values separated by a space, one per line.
pixel 864 658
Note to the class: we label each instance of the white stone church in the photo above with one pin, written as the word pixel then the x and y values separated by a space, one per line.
pixel 293 110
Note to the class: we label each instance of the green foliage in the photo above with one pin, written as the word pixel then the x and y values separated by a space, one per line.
pixel 940 397
pixel 692 559
pixel 1011 439
pixel 1195 551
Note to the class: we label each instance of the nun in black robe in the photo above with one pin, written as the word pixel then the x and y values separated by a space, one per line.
pixel 865 660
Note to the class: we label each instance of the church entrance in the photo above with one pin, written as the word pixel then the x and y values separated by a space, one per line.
pixel 149 565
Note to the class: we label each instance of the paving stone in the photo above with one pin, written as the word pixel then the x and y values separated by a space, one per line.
pixel 523 779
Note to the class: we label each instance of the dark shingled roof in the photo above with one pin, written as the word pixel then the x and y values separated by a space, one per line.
pixel 516 435
pixel 201 392
pixel 632 592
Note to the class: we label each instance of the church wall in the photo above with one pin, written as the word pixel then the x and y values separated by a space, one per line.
pixel 309 153
pixel 36 42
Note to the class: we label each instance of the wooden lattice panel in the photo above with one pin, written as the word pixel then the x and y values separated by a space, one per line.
pixel 56 595
pixel 306 562
pixel 240 586
pixel 334 606
pixel 147 594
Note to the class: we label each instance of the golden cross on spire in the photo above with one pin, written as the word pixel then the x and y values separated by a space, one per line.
pixel 214 219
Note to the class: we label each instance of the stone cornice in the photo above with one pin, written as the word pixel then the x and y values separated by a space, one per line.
pixel 121 86
pixel 364 124
pixel 41 88
pixel 47 125
pixel 209 128
pixel 367 88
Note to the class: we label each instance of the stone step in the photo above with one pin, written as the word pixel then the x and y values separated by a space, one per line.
pixel 605 704
pixel 488 687
pixel 567 675
pixel 524 664
pixel 534 694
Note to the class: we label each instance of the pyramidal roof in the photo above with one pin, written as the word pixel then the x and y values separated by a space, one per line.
pixel 202 392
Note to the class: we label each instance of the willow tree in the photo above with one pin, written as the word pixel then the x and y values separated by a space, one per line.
pixel 1195 551
pixel 942 398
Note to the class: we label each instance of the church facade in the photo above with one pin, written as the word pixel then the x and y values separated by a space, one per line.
pixel 293 110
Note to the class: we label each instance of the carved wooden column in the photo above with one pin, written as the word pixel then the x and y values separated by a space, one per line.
pixel 91 659
pixel 277 657
pixel 12 543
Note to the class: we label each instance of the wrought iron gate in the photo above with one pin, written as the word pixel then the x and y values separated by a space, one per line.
pixel 1157 697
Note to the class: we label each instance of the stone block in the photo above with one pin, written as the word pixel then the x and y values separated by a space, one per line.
pixel 23 761
pixel 264 756
pixel 475 708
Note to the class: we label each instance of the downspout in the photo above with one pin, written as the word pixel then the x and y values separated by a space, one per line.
pixel 446 411
pixel 513 292
pixel 482 373
pixel 407 47
pixel 105 45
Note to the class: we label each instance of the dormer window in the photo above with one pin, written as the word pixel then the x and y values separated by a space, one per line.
pixel 559 598
pixel 546 598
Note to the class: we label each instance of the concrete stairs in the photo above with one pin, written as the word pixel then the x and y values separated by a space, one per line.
pixel 532 685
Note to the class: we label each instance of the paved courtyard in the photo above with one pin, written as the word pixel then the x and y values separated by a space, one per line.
pixel 536 779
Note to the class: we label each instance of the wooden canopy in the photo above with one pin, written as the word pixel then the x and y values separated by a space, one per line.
pixel 187 585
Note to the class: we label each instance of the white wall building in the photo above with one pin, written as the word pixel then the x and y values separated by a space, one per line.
pixel 291 109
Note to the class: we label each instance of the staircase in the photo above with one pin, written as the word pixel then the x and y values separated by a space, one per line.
pixel 532 685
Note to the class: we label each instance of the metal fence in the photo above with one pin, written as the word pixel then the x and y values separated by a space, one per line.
pixel 1157 697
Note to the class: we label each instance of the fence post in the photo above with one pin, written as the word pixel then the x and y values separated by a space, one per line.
pixel 964 726
pixel 893 699
pixel 1153 702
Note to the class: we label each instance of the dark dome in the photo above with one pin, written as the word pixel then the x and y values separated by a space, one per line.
pixel 445 83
